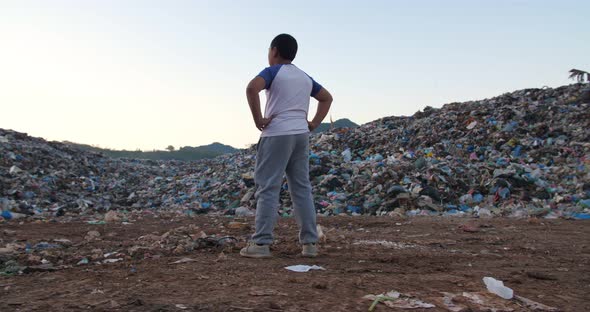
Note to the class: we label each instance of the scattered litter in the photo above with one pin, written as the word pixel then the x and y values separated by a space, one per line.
pixel 63 241
pixel 6 251
pixel 473 301
pixel 533 305
pixel 9 232
pixel 497 287
pixel 108 254
pixel 14 170
pixel 213 241
pixel 385 243
pixel 183 260
pixel 112 260
pixel 244 212
pixel 396 300
pixel 303 268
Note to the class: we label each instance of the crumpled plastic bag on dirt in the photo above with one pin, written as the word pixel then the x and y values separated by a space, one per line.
pixel 301 268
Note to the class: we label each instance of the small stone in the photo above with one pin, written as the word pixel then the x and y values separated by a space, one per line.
pixel 274 306
pixel 112 216
pixel 9 232
pixel 179 250
pixel 319 285
pixel 222 257
pixel 92 235
pixel 6 251
pixel 244 212
pixel 238 225
pixel 33 260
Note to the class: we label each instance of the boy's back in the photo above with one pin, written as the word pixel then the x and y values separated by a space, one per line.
pixel 288 90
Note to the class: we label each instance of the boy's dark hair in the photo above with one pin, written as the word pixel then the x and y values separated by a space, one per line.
pixel 286 45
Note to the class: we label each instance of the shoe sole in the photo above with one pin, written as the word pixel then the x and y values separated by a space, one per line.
pixel 255 256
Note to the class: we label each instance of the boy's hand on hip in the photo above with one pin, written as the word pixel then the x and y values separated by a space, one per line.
pixel 262 123
pixel 311 125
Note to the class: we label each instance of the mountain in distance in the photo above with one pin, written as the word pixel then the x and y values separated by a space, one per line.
pixel 215 147
pixel 185 153
pixel 340 123
pixel 188 153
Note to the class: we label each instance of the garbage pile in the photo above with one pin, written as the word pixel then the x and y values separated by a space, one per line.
pixel 521 154
pixel 40 177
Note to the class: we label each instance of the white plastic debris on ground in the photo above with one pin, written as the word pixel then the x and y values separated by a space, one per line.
pixel 300 268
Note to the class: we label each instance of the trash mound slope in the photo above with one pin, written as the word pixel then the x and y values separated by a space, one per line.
pixel 520 154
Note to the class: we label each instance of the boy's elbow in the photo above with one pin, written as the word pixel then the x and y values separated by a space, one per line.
pixel 325 96
pixel 330 98
pixel 252 91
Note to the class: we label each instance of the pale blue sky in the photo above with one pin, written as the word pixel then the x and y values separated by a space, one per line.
pixel 146 74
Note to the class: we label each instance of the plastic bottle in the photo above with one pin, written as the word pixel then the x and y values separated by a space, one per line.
pixel 347 154
pixel 497 287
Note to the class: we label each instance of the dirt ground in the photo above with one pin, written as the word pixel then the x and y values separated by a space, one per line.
pixel 543 260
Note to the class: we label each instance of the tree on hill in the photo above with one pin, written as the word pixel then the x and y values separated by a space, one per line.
pixel 579 75
pixel 186 153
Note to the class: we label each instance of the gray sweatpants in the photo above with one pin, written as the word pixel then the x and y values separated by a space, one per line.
pixel 276 156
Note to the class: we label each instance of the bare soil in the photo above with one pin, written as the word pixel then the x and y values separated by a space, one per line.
pixel 543 260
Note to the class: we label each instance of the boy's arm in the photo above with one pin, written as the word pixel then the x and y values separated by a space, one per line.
pixel 324 102
pixel 252 93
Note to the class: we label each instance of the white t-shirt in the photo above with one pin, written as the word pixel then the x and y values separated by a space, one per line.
pixel 288 90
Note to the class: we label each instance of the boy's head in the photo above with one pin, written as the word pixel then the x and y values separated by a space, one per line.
pixel 283 49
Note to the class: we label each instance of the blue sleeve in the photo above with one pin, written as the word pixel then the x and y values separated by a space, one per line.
pixel 269 74
pixel 315 87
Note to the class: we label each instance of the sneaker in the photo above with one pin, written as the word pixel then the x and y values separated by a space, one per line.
pixel 252 250
pixel 310 250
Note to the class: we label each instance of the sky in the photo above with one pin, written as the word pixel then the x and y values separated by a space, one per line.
pixel 127 74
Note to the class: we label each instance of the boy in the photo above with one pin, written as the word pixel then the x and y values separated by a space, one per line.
pixel 284 145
